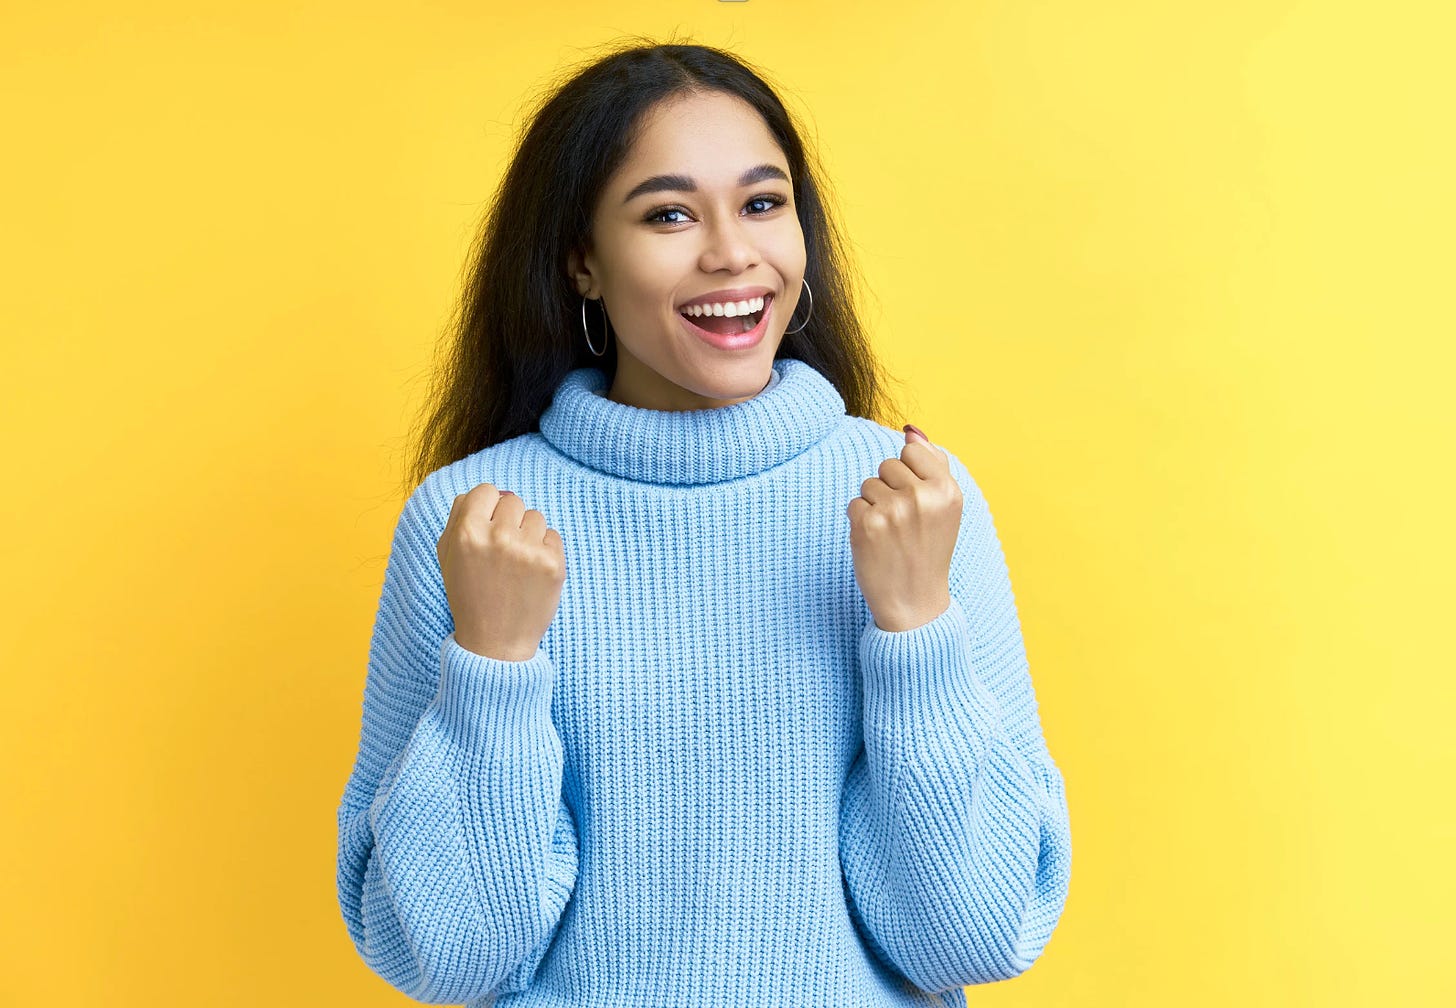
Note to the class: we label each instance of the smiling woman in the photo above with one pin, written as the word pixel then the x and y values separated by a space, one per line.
pixel 690 682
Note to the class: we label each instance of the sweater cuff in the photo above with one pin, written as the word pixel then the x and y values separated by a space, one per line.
pixel 921 687
pixel 494 702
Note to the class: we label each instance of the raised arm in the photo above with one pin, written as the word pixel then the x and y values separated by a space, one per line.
pixel 955 839
pixel 456 854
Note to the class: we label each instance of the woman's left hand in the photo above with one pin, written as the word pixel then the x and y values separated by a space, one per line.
pixel 902 531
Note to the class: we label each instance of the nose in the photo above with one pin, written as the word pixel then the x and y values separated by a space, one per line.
pixel 729 246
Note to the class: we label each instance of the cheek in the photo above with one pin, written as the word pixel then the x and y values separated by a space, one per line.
pixel 636 278
pixel 787 247
pixel 649 268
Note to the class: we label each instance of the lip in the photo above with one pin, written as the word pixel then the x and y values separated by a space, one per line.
pixel 729 294
pixel 734 341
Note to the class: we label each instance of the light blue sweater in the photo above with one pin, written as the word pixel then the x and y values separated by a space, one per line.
pixel 718 782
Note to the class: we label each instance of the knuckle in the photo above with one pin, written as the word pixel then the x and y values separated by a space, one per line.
pixel 473 537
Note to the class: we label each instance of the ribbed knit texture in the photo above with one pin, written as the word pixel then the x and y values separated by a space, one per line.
pixel 717 782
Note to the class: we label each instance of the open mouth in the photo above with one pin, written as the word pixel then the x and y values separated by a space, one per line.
pixel 723 325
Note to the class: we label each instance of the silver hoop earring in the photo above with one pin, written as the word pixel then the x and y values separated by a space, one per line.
pixel 806 317
pixel 606 329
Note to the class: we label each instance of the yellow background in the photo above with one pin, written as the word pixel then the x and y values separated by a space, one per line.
pixel 1174 280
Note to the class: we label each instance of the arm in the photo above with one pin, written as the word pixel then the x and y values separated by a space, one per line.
pixel 456 853
pixel 955 839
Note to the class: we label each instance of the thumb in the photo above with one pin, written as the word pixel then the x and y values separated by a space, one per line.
pixel 911 429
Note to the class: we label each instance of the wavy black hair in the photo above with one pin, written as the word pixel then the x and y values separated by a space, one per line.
pixel 516 329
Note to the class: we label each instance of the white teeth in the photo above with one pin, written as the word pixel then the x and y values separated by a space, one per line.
pixel 732 309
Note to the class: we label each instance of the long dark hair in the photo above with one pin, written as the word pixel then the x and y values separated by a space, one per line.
pixel 516 330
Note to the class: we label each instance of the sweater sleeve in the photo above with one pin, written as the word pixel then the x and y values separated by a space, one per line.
pixel 456 853
pixel 955 840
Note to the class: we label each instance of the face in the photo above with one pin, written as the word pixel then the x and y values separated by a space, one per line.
pixel 722 227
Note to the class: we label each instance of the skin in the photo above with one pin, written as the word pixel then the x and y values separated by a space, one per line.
pixel 503 567
pixel 902 532
pixel 662 249
pixel 503 570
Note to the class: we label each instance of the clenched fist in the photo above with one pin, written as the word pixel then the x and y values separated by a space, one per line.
pixel 902 531
pixel 503 570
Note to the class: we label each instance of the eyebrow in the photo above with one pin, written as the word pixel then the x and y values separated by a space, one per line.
pixel 682 183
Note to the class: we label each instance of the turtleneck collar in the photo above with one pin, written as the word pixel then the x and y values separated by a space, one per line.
pixel 692 446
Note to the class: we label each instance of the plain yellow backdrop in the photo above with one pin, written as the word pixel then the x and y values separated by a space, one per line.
pixel 1175 281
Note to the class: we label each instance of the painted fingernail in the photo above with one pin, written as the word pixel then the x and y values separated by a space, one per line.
pixel 511 492
pixel 911 428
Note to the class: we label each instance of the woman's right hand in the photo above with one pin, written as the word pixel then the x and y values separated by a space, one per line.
pixel 503 570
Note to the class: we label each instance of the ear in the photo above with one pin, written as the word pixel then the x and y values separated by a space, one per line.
pixel 579 272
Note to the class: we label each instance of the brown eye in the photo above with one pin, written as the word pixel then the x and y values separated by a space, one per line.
pixel 655 217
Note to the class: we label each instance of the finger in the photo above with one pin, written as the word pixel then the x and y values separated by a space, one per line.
pixel 485 495
pixel 533 524
pixel 876 491
pixel 924 459
pixel 509 510
pixel 488 501
pixel 895 473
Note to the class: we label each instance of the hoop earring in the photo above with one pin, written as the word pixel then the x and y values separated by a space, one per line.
pixel 806 317
pixel 606 327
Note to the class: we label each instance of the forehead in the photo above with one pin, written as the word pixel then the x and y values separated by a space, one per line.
pixel 711 137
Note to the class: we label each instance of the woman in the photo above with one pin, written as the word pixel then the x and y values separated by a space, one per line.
pixel 688 684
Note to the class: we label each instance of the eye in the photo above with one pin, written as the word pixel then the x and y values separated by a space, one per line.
pixel 655 217
pixel 659 215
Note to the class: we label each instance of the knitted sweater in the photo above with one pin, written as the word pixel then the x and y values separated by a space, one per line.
pixel 717 782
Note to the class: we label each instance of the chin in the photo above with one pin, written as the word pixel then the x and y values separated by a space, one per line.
pixel 736 381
